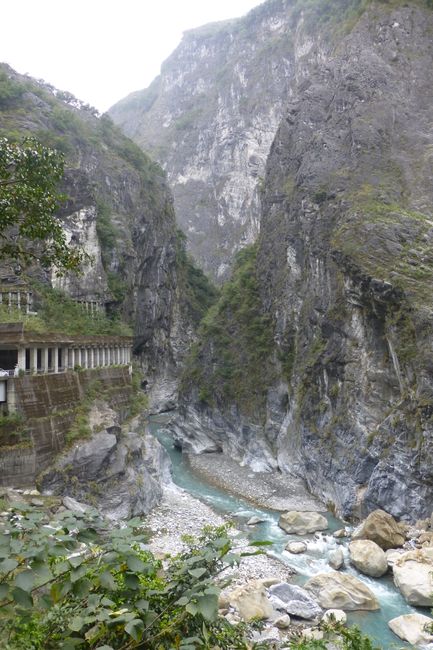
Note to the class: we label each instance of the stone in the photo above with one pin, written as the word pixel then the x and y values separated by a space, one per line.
pixel 334 616
pixel 74 506
pixel 251 601
pixel 255 520
pixel 335 590
pixel 336 559
pixel 382 528
pixel 341 532
pixel 294 601
pixel 368 558
pixel 413 576
pixel 426 539
pixel 411 628
pixel 283 622
pixel 392 554
pixel 302 523
pixel 296 547
pixel 37 502
pixel 312 635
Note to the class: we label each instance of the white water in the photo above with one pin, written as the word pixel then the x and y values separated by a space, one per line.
pixel 307 564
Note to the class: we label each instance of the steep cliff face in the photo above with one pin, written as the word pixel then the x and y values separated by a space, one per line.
pixel 119 209
pixel 344 271
pixel 210 119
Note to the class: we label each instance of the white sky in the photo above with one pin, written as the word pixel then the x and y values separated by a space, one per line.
pixel 101 50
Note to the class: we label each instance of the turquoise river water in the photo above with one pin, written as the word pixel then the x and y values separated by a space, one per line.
pixel 307 564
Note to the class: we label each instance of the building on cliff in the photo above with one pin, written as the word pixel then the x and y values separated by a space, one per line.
pixel 32 353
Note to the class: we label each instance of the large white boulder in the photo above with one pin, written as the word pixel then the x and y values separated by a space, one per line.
pixel 382 528
pixel 413 575
pixel 302 523
pixel 412 628
pixel 251 601
pixel 368 557
pixel 332 616
pixel 336 590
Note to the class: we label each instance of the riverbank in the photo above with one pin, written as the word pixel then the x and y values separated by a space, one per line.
pixel 275 491
pixel 180 514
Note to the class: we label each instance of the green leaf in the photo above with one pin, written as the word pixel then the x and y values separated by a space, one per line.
pixel 107 581
pixel 207 606
pixel 22 598
pixel 135 564
pixel 142 605
pixel 132 581
pixel 8 565
pixel 182 601
pixel 197 573
pixel 25 580
pixel 260 543
pixel 135 628
pixel 82 587
pixel 76 560
pixel 4 590
pixel 76 624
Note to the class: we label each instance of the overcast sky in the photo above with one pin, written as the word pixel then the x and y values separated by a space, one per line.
pixel 101 50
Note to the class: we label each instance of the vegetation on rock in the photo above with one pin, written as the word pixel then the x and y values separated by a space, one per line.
pixel 238 336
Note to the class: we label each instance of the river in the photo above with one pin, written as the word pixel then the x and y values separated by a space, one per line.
pixel 307 564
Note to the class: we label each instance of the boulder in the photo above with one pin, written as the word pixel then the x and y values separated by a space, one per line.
pixel 302 523
pixel 336 559
pixel 336 590
pixel 413 576
pixel 341 532
pixel 368 557
pixel 282 622
pixel 392 555
pixel 334 616
pixel 382 528
pixel 251 601
pixel 296 547
pixel 255 520
pixel 294 601
pixel 412 628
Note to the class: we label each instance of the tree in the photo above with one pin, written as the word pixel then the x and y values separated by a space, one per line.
pixel 29 228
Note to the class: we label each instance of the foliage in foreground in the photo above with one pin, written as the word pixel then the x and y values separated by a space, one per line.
pixel 29 176
pixel 67 581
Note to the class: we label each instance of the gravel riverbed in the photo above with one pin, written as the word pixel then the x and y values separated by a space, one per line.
pixel 271 490
pixel 180 514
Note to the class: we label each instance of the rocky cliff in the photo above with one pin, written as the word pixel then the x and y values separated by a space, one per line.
pixel 340 286
pixel 120 211
pixel 210 119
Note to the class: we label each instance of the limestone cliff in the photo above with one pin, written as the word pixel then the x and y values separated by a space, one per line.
pixel 210 119
pixel 342 278
pixel 120 210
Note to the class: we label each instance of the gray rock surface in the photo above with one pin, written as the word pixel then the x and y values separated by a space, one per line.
pixel 120 471
pixel 294 601
pixel 345 274
pixel 210 119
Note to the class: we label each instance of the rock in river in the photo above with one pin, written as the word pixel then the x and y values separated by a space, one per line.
pixel 294 601
pixel 382 528
pixel 302 523
pixel 413 575
pixel 412 628
pixel 341 591
pixel 368 557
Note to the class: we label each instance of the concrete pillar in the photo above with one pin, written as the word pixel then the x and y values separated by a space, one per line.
pixel 45 360
pixel 18 299
pixel 21 358
pixel 84 359
pixel 55 359
pixel 34 360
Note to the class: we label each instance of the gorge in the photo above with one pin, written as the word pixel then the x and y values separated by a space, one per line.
pixel 294 149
